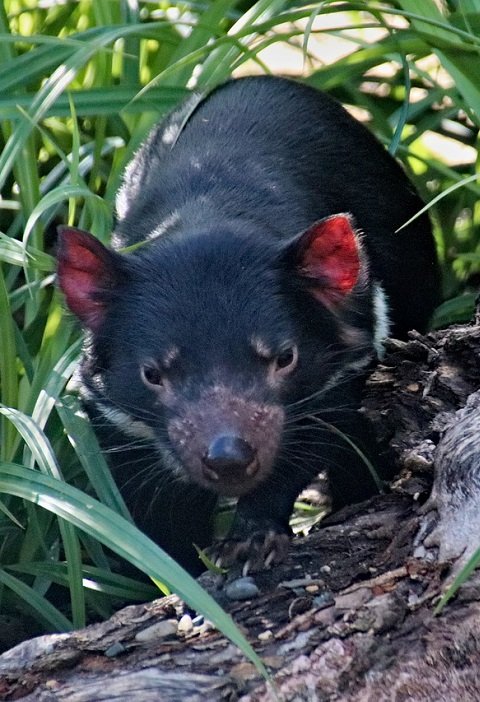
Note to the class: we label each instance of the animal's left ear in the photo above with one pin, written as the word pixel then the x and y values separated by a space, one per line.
pixel 329 257
pixel 88 275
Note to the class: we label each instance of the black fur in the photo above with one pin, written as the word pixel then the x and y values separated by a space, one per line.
pixel 221 190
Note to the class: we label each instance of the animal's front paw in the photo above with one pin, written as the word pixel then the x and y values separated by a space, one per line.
pixel 263 546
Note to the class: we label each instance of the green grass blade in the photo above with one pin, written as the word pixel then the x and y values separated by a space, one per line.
pixel 53 618
pixel 49 384
pixel 465 70
pixel 84 441
pixel 38 450
pixel 8 369
pixel 54 86
pixel 61 194
pixel 444 193
pixel 460 578
pixel 37 447
pixel 218 65
pixel 73 557
pixel 96 579
pixel 99 102
pixel 207 28
pixel 14 252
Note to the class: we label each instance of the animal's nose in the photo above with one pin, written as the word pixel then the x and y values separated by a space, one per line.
pixel 229 454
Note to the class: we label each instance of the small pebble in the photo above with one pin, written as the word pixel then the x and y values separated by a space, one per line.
pixel 324 599
pixel 185 625
pixel 158 631
pixel 115 649
pixel 265 635
pixel 242 589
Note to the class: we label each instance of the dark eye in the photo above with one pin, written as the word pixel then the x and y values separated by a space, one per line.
pixel 151 374
pixel 286 360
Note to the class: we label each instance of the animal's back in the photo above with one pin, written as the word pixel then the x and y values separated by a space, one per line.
pixel 279 155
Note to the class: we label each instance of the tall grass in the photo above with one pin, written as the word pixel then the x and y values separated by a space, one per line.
pixel 80 85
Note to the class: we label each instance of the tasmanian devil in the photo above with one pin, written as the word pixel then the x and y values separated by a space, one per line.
pixel 226 352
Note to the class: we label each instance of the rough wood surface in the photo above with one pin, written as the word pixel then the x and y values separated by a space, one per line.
pixel 349 616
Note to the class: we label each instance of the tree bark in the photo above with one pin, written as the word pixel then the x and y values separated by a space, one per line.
pixel 349 615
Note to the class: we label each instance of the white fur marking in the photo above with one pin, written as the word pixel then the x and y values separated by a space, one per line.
pixel 127 193
pixel 356 365
pixel 170 221
pixel 382 322
pixel 123 421
pixel 170 134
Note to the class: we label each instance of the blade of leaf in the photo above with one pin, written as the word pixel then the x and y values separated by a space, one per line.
pixel 53 618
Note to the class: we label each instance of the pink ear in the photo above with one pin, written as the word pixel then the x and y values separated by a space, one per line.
pixel 329 254
pixel 86 271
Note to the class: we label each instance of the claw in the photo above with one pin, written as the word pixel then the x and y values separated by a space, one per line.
pixel 260 550
pixel 270 559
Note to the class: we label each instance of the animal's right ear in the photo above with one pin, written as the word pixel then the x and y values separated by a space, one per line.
pixel 88 273
pixel 329 257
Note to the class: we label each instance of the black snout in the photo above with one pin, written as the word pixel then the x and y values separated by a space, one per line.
pixel 227 454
